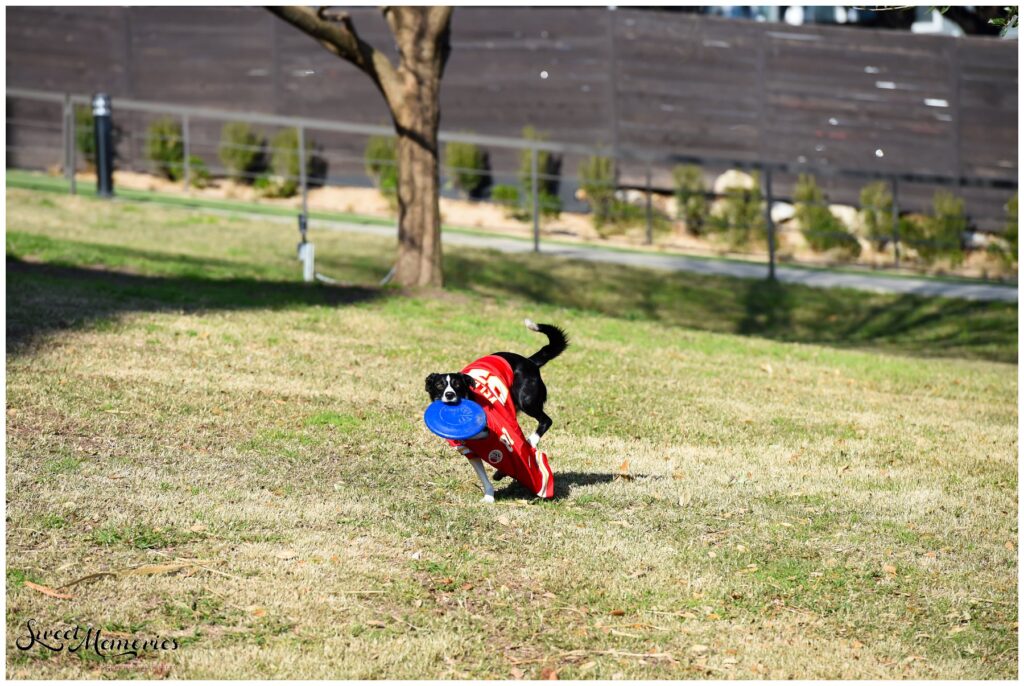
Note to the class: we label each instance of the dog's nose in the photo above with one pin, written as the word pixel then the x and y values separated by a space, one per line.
pixel 449 395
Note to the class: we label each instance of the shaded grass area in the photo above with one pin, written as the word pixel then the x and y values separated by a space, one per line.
pixel 774 511
pixel 234 253
pixel 899 323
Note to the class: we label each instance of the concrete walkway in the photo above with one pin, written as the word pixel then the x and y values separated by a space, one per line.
pixel 818 278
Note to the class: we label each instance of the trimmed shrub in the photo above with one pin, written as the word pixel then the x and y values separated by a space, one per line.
pixel 165 147
pixel 241 151
pixel 822 229
pixel 941 234
pixel 1010 232
pixel 691 201
pixel 198 173
pixel 739 218
pixel 468 167
pixel 597 179
pixel 549 171
pixel 876 211
pixel 284 162
pixel 381 160
pixel 85 139
pixel 507 196
pixel 550 205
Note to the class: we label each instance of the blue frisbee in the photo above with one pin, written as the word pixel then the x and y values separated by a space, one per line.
pixel 459 421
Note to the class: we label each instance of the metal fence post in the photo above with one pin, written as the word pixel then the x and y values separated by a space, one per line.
pixel 72 143
pixel 896 220
pixel 770 224
pixel 302 167
pixel 185 150
pixel 648 214
pixel 65 137
pixel 536 204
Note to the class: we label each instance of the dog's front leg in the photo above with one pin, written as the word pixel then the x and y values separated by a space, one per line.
pixel 478 465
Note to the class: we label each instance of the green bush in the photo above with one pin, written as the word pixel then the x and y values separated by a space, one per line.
pixel 876 211
pixel 822 229
pixel 165 147
pixel 85 138
pixel 597 179
pixel 550 205
pixel 198 174
pixel 284 163
pixel 549 171
pixel 507 196
pixel 241 151
pixel 381 160
pixel 1010 233
pixel 739 218
pixel 941 234
pixel 691 202
pixel 468 167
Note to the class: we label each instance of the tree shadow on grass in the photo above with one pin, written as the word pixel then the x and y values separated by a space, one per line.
pixel 906 324
pixel 565 483
pixel 45 298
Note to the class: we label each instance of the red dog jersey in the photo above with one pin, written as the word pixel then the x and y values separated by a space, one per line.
pixel 505 447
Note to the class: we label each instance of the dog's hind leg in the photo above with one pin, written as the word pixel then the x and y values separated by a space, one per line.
pixel 478 465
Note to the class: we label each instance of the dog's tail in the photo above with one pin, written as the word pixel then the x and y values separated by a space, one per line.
pixel 558 341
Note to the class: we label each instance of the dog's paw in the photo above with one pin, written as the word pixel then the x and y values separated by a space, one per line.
pixel 534 439
pixel 489 499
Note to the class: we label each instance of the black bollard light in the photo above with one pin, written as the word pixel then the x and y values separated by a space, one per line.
pixel 103 131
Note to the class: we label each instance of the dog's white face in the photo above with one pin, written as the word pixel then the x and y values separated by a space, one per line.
pixel 449 388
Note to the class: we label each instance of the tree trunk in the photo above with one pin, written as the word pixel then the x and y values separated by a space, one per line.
pixel 419 214
pixel 413 92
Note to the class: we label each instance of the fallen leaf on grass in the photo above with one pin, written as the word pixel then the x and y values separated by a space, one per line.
pixel 259 612
pixel 617 613
pixel 376 624
pixel 624 471
pixel 549 674
pixel 766 368
pixel 699 649
pixel 286 555
pixel 46 590
pixel 889 569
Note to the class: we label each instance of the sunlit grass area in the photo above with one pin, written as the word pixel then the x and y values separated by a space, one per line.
pixel 752 482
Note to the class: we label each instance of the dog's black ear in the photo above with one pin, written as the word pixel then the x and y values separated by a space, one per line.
pixel 430 382
pixel 470 381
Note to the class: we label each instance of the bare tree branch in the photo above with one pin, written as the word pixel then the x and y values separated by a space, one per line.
pixel 335 32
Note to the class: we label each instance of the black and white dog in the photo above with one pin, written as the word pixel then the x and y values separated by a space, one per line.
pixel 528 390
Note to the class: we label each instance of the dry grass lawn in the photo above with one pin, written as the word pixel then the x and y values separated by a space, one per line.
pixel 727 505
